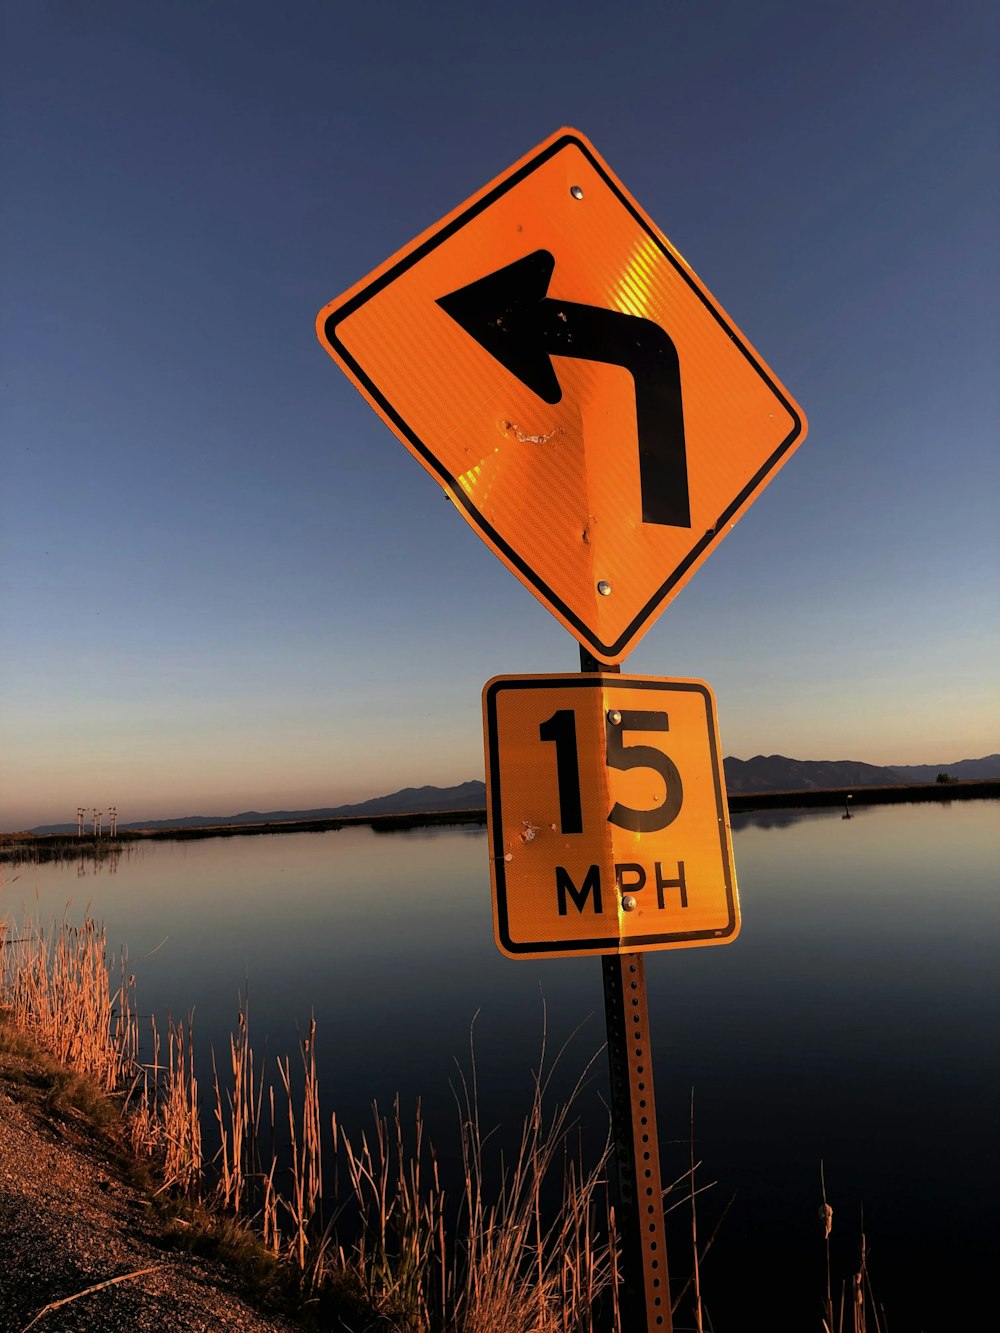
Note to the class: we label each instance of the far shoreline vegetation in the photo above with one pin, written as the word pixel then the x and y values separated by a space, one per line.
pixel 24 848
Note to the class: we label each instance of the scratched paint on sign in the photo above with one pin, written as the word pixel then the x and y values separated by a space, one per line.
pixel 555 364
pixel 608 823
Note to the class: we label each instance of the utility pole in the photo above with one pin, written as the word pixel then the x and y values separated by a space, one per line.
pixel 113 820
pixel 97 822
pixel 80 812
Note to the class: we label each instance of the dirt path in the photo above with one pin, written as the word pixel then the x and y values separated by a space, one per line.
pixel 70 1219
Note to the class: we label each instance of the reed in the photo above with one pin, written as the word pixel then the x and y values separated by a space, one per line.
pixel 520 1243
pixel 57 987
pixel 522 1267
pixel 236 1114
pixel 398 1252
pixel 303 1206
pixel 857 1289
pixel 179 1113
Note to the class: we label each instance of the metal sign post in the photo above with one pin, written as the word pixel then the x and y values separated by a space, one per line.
pixel 644 1286
pixel 644 1282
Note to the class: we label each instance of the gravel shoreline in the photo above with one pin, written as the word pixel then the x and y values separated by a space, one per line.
pixel 71 1218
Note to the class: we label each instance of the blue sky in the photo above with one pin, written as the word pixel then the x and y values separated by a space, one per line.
pixel 225 585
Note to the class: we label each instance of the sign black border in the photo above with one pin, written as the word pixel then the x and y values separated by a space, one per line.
pixel 336 317
pixel 609 944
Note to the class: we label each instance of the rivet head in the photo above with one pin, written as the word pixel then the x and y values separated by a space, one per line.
pixel 604 588
pixel 629 903
pixel 576 191
pixel 614 717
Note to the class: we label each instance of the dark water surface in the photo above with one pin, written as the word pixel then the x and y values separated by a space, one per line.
pixel 855 1021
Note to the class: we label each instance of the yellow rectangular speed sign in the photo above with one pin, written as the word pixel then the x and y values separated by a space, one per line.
pixel 608 823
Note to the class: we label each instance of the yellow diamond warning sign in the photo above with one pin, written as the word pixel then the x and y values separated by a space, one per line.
pixel 591 409
pixel 608 824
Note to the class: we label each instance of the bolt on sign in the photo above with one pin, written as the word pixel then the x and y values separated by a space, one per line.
pixel 608 823
pixel 553 361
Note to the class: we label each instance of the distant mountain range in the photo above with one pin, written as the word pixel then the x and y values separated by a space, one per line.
pixel 411 800
pixel 773 772
pixel 966 770
pixel 762 773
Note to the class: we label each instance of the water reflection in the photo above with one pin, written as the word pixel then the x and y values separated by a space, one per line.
pixel 855 1020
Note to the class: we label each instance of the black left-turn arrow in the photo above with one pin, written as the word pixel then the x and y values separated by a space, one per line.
pixel 510 314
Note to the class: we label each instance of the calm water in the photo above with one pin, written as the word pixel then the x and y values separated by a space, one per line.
pixel 854 1021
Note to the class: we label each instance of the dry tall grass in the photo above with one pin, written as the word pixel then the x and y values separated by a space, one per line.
pixel 237 1115
pixel 57 987
pixel 858 1290
pixel 397 1253
pixel 307 1242
pixel 498 1258
pixel 179 1115
pixel 543 1270
pixel 524 1245
pixel 510 1261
